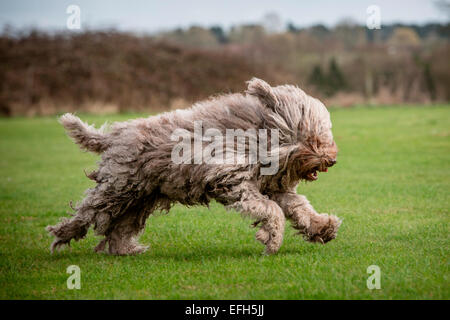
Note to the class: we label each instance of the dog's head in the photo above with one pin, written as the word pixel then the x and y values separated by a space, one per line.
pixel 304 125
pixel 314 157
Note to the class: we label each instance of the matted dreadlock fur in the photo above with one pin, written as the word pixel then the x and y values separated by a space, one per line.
pixel 137 176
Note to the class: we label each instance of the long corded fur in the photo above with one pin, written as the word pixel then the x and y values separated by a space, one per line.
pixel 136 174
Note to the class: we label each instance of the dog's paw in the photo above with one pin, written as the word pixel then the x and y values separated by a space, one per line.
pixel 138 249
pixel 126 248
pixel 271 241
pixel 101 246
pixel 323 228
pixel 270 250
pixel 58 243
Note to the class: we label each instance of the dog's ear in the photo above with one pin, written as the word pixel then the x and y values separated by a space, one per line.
pixel 261 89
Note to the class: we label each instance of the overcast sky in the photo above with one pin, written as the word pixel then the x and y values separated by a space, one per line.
pixel 152 15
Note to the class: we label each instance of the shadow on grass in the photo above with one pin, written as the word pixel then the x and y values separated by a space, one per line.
pixel 195 254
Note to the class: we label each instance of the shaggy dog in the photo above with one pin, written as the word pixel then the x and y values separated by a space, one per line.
pixel 137 176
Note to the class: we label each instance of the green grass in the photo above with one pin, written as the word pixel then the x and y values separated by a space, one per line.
pixel 391 187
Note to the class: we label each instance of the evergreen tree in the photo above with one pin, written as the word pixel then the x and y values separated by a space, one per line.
pixel 316 78
pixel 429 82
pixel 292 28
pixel 335 80
pixel 220 35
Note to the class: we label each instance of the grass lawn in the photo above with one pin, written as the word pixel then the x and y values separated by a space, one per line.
pixel 391 187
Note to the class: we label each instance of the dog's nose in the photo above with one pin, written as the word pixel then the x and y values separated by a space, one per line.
pixel 332 162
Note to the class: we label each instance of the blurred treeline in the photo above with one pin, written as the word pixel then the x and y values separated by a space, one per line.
pixel 111 71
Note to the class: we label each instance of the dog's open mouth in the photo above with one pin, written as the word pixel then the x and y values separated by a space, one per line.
pixel 314 174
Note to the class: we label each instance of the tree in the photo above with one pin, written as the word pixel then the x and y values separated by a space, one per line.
pixel 330 83
pixel 272 23
pixel 335 78
pixel 292 28
pixel 429 81
pixel 404 38
pixel 220 35
pixel 319 31
pixel 250 33
pixel 316 78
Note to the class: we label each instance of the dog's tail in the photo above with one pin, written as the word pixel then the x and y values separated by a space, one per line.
pixel 88 137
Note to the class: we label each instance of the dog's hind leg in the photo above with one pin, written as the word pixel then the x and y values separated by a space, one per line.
pixel 253 204
pixel 123 231
pixel 93 209
pixel 75 227
pixel 122 239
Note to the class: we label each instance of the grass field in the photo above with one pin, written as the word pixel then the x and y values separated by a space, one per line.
pixel 391 187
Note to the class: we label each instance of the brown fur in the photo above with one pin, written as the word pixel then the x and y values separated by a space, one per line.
pixel 136 175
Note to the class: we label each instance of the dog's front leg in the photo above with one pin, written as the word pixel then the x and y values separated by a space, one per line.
pixel 315 227
pixel 255 205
